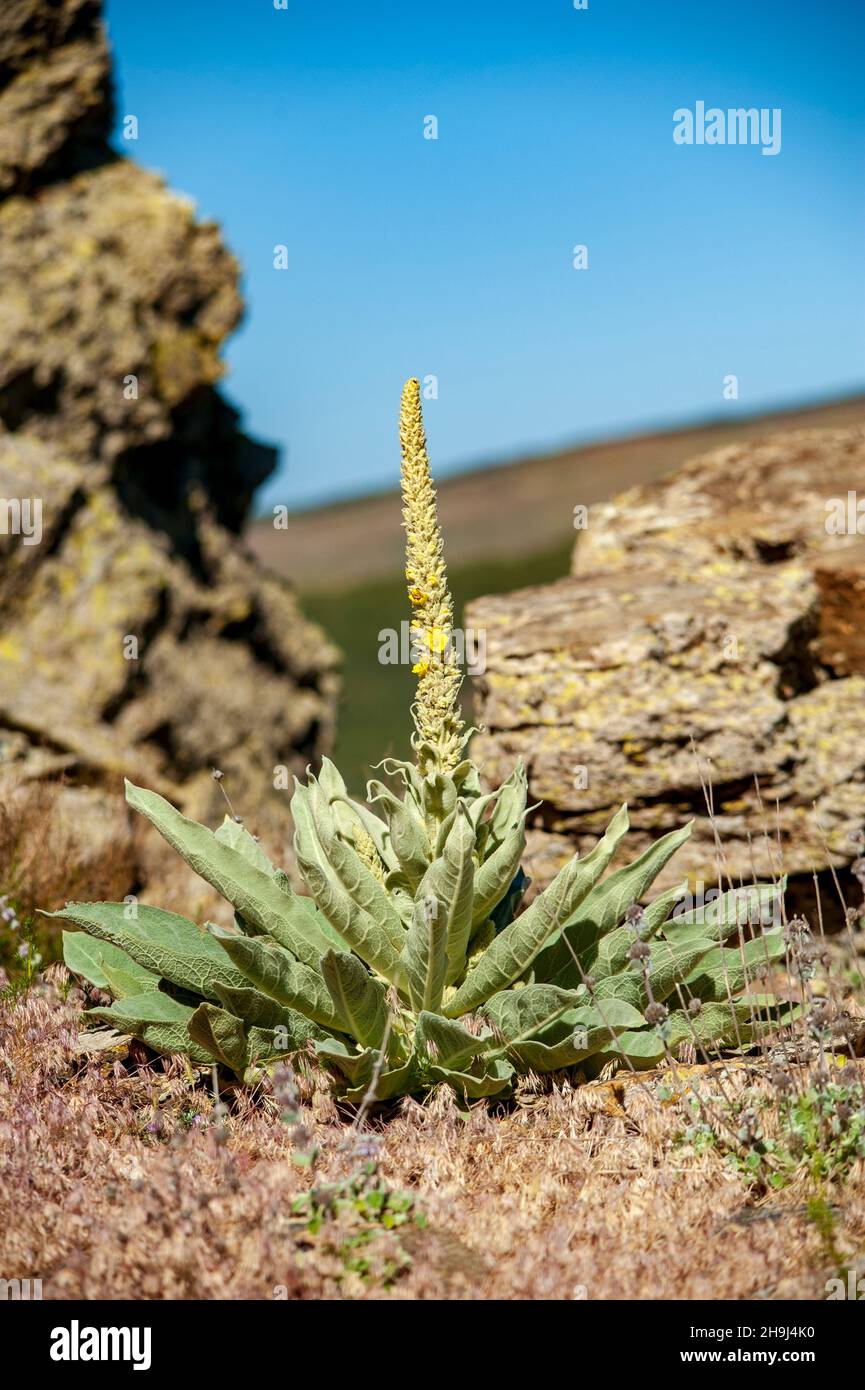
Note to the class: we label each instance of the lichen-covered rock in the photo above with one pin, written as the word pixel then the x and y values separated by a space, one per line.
pixel 137 635
pixel 706 647
pixel 123 657
pixel 55 89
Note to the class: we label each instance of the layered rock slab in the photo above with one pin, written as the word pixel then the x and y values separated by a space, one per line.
pixel 703 651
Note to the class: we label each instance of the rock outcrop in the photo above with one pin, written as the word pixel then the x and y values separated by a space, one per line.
pixel 137 636
pixel 708 643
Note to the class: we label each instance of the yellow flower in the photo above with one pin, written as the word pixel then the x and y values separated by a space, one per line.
pixel 420 668
pixel 417 596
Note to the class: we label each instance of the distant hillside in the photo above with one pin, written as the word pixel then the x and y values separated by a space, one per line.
pixel 504 511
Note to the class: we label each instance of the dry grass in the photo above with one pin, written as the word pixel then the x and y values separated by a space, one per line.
pixel 118 1180
pixel 57 843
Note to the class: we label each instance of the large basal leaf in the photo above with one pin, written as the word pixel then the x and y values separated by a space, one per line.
pixel 258 1010
pixel 607 903
pixel 87 956
pixel 450 880
pixel 720 1024
pixel 425 954
pixel 591 1029
pixel 355 1066
pixel 266 1045
pixel 581 1030
pixel 724 971
pixel 520 1014
pixel 492 1081
pixel 157 1020
pixel 222 1035
pixel 733 911
pixel 640 1049
pixel 251 891
pixel 399 1081
pixel 163 942
pixel 611 953
pixel 669 965
pixel 514 949
pixel 572 952
pixel 443 1042
pixel 273 971
pixel 359 1001
pixel 365 936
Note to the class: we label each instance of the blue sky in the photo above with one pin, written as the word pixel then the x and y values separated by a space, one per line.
pixel 453 257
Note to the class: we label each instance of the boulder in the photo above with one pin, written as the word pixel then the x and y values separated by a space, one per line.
pixel 706 652
pixel 138 637
pixel 55 89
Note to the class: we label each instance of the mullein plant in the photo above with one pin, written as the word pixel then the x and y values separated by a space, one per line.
pixel 412 959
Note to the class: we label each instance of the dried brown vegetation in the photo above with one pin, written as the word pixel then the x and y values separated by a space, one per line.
pixel 118 1179
pixel 57 841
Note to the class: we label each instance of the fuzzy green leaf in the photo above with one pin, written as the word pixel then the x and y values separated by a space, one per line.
pixel 364 889
pixel 162 942
pixel 157 1020
pixel 642 1049
pixel 356 1067
pixel 399 1081
pixel 237 837
pixel 603 909
pixel 425 954
pixel 494 1079
pixel 251 891
pixel 509 807
pixel 723 972
pixel 273 971
pixel 359 1001
pixel 520 1014
pixel 450 880
pixel 258 1010
pixel 220 1034
pixel 446 1043
pixel 497 873
pixel 669 966
pixel 514 949
pixel 408 837
pixel 92 959
pixel 727 913
pixel 365 936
